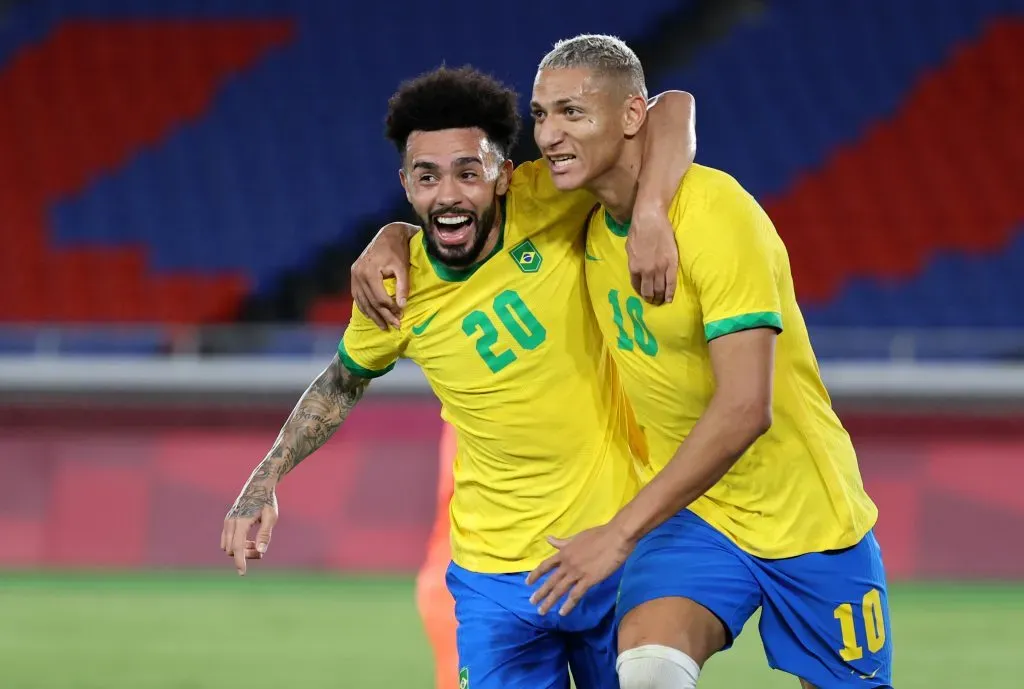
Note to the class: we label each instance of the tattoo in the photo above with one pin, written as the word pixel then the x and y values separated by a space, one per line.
pixel 320 411
pixel 253 499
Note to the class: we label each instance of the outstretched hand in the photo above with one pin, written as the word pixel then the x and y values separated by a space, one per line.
pixel 583 561
pixel 256 506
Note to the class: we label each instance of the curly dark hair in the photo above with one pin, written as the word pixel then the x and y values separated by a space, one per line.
pixel 454 99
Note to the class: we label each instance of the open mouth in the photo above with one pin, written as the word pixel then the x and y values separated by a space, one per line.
pixel 561 163
pixel 453 229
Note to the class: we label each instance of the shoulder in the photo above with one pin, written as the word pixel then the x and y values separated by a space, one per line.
pixel 706 188
pixel 713 201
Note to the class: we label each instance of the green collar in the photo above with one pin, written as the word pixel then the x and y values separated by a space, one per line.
pixel 619 229
pixel 449 274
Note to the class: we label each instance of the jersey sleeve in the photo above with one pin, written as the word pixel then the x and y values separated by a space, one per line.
pixel 536 196
pixel 728 255
pixel 366 350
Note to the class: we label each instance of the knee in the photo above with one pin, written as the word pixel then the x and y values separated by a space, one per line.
pixel 656 667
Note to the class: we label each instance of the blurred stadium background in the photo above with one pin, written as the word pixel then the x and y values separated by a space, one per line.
pixel 184 185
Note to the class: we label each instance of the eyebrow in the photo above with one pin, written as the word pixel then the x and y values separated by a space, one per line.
pixel 459 162
pixel 558 103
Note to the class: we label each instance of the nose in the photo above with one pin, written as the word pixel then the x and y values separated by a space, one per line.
pixel 448 191
pixel 547 134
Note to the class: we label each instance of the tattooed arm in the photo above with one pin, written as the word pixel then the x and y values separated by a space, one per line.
pixel 318 414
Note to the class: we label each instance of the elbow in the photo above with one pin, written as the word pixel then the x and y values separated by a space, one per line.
pixel 762 421
pixel 683 108
pixel 751 420
pixel 682 105
pixel 681 99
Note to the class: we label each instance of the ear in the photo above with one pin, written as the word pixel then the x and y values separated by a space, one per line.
pixel 635 115
pixel 504 177
pixel 405 184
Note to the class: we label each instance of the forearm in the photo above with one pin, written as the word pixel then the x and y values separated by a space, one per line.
pixel 402 230
pixel 319 412
pixel 670 145
pixel 718 439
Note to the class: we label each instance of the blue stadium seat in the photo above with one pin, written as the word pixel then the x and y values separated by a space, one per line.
pixel 291 154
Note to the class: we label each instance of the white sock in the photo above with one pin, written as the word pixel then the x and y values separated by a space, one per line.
pixel 656 667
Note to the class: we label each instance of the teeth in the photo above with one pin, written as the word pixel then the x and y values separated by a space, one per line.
pixel 562 161
pixel 453 219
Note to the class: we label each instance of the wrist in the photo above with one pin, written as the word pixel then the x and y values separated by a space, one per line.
pixel 266 475
pixel 266 486
pixel 647 206
pixel 626 526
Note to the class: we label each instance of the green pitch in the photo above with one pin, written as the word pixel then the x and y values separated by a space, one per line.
pixel 267 631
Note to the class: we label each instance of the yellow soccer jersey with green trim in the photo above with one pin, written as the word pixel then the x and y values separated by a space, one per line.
pixel 798 488
pixel 514 353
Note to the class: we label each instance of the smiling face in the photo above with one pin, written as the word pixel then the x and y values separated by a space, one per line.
pixel 453 178
pixel 582 121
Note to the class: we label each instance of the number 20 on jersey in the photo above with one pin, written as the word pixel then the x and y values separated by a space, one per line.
pixel 516 318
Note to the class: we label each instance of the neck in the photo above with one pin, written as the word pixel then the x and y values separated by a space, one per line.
pixel 616 188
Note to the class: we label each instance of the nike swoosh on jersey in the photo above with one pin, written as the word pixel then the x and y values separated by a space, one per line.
pixel 419 329
pixel 589 257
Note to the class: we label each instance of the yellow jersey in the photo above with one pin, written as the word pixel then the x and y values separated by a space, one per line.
pixel 798 488
pixel 513 351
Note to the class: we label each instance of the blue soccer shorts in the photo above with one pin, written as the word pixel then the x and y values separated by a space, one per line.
pixel 504 643
pixel 824 616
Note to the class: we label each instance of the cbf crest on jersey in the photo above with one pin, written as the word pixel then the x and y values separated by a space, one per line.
pixel 526 256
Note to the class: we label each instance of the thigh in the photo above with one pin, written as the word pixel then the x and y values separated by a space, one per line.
pixel 688 587
pixel 497 648
pixel 826 619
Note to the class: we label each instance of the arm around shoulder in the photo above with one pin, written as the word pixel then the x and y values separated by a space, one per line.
pixel 386 256
pixel 670 145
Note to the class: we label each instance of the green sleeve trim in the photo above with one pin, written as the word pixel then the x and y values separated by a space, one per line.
pixel 355 368
pixel 747 321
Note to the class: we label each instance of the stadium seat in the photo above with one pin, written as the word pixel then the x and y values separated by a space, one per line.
pixel 185 155
pixel 222 143
pixel 885 145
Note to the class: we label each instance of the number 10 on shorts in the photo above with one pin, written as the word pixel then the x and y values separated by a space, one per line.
pixel 874 626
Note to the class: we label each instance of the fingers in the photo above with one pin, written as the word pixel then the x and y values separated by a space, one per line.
pixel 382 303
pixel 658 297
pixel 238 546
pixel 401 286
pixel 226 533
pixel 657 285
pixel 267 522
pixel 366 307
pixel 556 586
pixel 635 280
pixel 575 595
pixel 542 569
pixel 369 295
pixel 250 551
pixel 365 302
pixel 647 285
pixel 671 276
